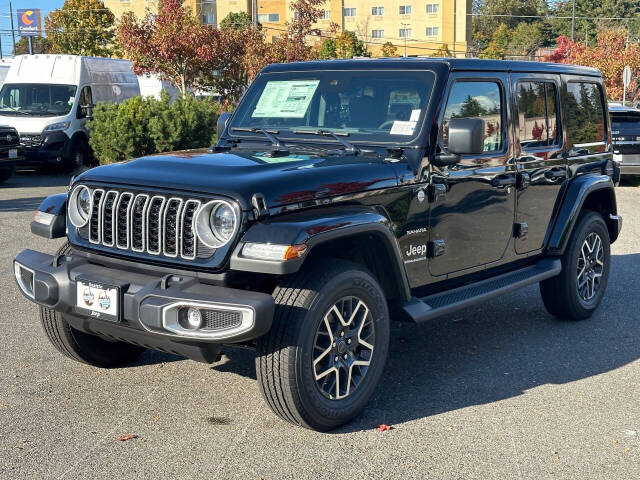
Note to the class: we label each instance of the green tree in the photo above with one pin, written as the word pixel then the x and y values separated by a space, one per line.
pixel 443 52
pixel 40 45
pixel 499 43
pixel 525 39
pixel 236 21
pixel 81 27
pixel 345 45
pixel 389 50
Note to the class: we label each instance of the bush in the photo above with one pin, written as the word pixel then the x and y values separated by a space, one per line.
pixel 143 126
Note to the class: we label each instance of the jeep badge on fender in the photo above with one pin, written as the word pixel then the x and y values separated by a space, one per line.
pixel 300 234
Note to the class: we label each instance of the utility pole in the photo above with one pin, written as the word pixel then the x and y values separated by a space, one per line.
pixel 30 45
pixel 13 37
pixel 254 13
pixel 455 21
pixel 405 38
pixel 573 20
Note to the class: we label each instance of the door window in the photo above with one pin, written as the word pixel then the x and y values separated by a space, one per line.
pixel 537 114
pixel 477 100
pixel 84 101
pixel 585 113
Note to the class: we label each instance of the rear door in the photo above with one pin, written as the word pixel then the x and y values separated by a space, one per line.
pixel 541 164
pixel 471 220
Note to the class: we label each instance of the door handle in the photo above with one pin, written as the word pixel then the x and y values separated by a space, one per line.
pixel 501 182
pixel 555 174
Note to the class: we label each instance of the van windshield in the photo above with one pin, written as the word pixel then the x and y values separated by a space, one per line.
pixel 372 106
pixel 34 99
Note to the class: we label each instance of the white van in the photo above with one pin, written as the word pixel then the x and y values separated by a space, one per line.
pixel 47 99
pixel 152 85
pixel 5 64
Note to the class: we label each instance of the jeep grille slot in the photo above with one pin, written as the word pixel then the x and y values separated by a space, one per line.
pixel 162 225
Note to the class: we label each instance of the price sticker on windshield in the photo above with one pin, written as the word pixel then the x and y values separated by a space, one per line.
pixel 401 127
pixel 285 99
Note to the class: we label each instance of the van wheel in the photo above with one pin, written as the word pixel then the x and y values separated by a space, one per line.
pixel 78 157
pixel 325 353
pixel 578 290
pixel 83 347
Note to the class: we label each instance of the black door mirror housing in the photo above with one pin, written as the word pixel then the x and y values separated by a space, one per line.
pixel 466 136
pixel 223 119
pixel 86 111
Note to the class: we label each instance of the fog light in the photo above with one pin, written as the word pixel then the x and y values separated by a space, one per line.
pixel 25 279
pixel 190 318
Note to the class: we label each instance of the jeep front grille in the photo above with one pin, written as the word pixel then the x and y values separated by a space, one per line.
pixel 159 225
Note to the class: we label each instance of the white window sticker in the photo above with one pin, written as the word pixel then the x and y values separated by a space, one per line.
pixel 285 99
pixel 403 128
pixel 415 115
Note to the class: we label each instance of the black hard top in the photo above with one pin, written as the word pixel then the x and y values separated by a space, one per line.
pixel 467 64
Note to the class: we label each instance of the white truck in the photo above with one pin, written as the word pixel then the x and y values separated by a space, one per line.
pixel 48 98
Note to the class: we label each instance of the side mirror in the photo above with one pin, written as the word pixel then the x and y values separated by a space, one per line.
pixel 86 111
pixel 223 119
pixel 466 136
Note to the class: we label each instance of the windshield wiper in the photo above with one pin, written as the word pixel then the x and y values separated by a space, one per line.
pixel 279 148
pixel 349 148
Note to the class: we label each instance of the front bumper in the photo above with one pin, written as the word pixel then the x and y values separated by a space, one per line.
pixel 148 304
pixel 52 149
pixel 629 163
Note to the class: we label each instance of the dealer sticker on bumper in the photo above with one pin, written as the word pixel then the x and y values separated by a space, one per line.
pixel 13 153
pixel 101 300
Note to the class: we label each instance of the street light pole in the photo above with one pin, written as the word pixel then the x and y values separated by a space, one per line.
pixel 405 38
pixel 573 20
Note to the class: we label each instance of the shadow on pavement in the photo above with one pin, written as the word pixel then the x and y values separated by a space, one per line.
pixel 20 204
pixel 489 353
pixel 29 179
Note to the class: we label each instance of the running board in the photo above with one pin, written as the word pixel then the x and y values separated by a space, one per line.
pixel 432 306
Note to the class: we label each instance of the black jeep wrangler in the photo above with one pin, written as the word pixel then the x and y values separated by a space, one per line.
pixel 11 152
pixel 340 195
pixel 625 138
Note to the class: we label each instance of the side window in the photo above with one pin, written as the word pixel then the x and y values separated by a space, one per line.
pixel 84 100
pixel 477 100
pixel 537 114
pixel 585 113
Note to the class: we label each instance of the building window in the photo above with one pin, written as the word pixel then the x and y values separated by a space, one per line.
pixel 432 31
pixel 349 12
pixel 433 7
pixel 326 15
pixel 376 11
pixel 268 17
pixel 405 33
pixel 208 18
pixel 405 9
pixel 377 33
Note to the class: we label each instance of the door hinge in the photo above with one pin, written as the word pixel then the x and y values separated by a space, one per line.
pixel 520 230
pixel 435 248
pixel 436 192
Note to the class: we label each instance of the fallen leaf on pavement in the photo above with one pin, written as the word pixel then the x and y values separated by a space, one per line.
pixel 382 427
pixel 124 438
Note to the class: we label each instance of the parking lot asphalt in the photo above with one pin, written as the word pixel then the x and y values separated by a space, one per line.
pixel 501 390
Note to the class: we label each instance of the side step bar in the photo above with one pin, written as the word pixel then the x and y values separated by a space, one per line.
pixel 432 306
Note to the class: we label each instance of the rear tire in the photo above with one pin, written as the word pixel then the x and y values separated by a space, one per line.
pixel 83 347
pixel 308 339
pixel 79 156
pixel 5 174
pixel 577 292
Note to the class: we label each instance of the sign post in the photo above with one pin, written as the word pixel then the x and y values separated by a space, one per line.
pixel 29 24
pixel 626 80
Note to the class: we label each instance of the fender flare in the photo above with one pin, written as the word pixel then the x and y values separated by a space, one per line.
pixel 314 228
pixel 576 194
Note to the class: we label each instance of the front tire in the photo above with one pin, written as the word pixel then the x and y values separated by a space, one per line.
pixel 83 347
pixel 325 353
pixel 79 156
pixel 577 292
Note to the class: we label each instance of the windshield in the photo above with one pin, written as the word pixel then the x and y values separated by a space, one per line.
pixel 36 99
pixel 372 106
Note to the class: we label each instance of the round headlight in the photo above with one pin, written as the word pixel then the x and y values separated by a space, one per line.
pixel 80 206
pixel 216 223
pixel 223 222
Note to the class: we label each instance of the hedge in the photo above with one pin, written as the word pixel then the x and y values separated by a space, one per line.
pixel 143 126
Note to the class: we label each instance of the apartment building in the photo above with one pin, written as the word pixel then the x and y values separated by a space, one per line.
pixel 419 27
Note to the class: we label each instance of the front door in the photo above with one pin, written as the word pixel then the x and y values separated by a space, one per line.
pixel 472 211
pixel 542 167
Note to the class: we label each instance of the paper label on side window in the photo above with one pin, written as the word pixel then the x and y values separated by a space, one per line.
pixel 285 99
pixel 415 115
pixel 401 127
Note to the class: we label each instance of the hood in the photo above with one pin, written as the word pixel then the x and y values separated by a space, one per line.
pixel 282 180
pixel 30 124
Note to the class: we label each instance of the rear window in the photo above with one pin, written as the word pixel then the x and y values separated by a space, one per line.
pixel 585 114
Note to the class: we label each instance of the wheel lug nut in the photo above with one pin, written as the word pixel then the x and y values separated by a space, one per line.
pixel 349 341
pixel 342 334
pixel 336 359
pixel 345 356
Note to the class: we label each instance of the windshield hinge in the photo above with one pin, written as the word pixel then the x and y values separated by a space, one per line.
pixel 260 208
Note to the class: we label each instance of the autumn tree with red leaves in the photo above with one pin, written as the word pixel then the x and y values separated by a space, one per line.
pixel 173 44
pixel 610 55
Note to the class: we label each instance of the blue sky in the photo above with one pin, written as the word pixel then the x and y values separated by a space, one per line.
pixel 5 23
